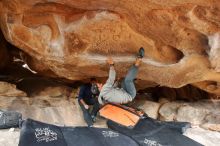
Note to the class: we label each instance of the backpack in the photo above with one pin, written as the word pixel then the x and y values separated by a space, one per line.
pixel 9 119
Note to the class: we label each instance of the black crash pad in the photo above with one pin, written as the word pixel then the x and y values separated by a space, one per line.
pixel 151 132
pixel 34 133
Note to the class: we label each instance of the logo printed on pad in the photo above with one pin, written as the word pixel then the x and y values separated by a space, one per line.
pixel 45 134
pixel 109 134
pixel 151 142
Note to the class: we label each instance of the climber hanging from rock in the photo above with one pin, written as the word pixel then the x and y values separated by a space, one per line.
pixel 127 92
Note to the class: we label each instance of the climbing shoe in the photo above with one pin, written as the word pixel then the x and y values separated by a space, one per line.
pixel 141 53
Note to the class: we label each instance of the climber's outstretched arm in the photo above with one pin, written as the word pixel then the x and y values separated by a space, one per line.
pixel 112 73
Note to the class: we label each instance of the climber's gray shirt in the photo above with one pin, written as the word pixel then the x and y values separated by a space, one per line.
pixel 113 94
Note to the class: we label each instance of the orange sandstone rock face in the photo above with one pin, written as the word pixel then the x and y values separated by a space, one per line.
pixel 72 38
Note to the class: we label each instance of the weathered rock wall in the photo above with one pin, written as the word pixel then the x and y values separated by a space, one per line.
pixel 72 38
